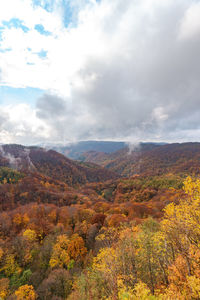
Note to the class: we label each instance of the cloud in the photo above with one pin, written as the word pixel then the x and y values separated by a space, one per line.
pixel 19 124
pixel 127 70
pixel 190 25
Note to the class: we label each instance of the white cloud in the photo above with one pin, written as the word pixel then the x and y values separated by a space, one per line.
pixel 190 24
pixel 30 15
pixel 67 49
pixel 21 125
pixel 128 68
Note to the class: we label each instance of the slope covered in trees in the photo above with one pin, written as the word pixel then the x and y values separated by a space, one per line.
pixel 150 159
pixel 103 250
pixel 51 164
pixel 136 237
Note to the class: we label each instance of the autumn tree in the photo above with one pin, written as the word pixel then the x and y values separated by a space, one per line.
pixel 58 283
pixel 26 292
pixel 60 256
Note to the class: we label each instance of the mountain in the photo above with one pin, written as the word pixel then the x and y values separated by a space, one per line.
pixel 75 150
pixel 150 159
pixel 51 164
pixel 55 220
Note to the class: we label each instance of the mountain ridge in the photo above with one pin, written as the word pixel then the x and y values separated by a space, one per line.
pixel 52 164
pixel 150 160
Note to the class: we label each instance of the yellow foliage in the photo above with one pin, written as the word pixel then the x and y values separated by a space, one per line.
pixel 10 267
pixel 192 187
pixel 124 293
pixel 105 261
pixel 1 253
pixel 60 256
pixel 21 219
pixel 26 292
pixel 66 249
pixel 181 226
pixel 4 288
pixel 141 291
pixel 181 222
pixel 194 286
pixel 30 235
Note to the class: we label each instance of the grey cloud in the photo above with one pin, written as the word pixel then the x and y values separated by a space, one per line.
pixel 50 106
pixel 2 121
pixel 147 87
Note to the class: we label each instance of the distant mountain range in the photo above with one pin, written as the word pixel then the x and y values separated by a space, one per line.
pixel 76 150
pixel 53 164
pixel 150 159
pixel 95 166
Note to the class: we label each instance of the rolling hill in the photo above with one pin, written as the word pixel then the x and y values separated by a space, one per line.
pixel 51 164
pixel 150 159
pixel 75 150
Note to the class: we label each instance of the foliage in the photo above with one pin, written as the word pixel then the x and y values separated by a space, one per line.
pixel 26 292
pixel 131 238
pixel 8 175
pixel 4 288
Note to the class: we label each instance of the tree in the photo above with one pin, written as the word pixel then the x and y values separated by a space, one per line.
pixel 4 288
pixel 58 283
pixel 76 248
pixel 107 264
pixel 30 235
pixel 26 292
pixel 153 255
pixel 10 266
pixel 181 223
pixel 60 256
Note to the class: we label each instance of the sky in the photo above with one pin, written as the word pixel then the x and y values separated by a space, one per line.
pixel 75 70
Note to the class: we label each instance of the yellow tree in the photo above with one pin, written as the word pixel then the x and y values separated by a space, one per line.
pixel 181 223
pixel 10 265
pixel 107 264
pixel 60 256
pixel 4 288
pixel 26 292
pixel 30 235
pixel 181 226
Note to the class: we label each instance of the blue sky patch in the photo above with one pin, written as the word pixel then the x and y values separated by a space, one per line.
pixel 69 8
pixel 16 23
pixel 48 5
pixel 42 54
pixel 11 96
pixel 69 14
pixel 40 28
pixel 71 11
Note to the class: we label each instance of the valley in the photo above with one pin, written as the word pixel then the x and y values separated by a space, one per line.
pixel 66 221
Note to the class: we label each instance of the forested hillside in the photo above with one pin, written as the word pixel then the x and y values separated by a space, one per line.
pixel 75 150
pixel 150 159
pixel 133 237
pixel 52 164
